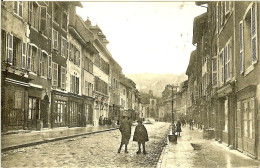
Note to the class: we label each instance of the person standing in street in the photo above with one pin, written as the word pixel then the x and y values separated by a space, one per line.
pixel 125 129
pixel 140 136
pixel 178 130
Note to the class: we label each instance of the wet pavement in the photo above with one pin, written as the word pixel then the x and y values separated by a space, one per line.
pixel 211 154
pixel 93 150
pixel 21 139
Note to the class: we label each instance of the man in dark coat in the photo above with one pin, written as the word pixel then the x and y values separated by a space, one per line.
pixel 125 129
pixel 178 129
pixel 141 136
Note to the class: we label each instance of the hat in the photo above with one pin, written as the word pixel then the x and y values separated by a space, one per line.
pixel 139 121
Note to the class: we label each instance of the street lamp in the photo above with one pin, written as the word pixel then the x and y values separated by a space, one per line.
pixel 172 105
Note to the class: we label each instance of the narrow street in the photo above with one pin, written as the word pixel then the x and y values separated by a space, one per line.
pixel 95 150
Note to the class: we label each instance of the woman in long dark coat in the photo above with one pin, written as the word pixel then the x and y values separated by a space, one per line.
pixel 140 136
pixel 125 129
pixel 178 129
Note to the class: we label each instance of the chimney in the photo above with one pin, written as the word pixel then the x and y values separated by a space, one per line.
pixel 88 22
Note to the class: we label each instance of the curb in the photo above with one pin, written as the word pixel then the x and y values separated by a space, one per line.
pixel 52 140
pixel 159 163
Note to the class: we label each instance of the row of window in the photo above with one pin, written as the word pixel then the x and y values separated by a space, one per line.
pixel 101 86
pixel 27 56
pixel 100 62
pixel 247 52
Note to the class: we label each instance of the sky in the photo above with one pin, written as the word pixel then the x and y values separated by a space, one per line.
pixel 146 37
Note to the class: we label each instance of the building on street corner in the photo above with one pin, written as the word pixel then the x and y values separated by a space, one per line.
pixel 58 70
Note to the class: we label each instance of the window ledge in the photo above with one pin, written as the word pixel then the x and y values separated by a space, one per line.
pixel 248 70
pixel 32 73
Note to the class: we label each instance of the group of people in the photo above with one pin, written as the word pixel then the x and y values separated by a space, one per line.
pixel 104 120
pixel 140 134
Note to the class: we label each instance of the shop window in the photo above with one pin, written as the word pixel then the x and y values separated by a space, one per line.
pixel 60 111
pixel 248 116
pixel 226 115
pixel 34 109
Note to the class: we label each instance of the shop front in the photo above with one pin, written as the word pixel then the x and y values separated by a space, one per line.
pixel 87 116
pixel 59 114
pixel 246 122
pixel 75 111
pixel 14 96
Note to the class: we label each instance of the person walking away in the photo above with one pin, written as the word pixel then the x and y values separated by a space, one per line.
pixel 125 129
pixel 178 125
pixel 140 136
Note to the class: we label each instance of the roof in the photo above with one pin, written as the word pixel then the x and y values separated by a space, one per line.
pixel 199 25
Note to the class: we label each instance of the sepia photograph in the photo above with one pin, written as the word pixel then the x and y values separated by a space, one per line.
pixel 130 84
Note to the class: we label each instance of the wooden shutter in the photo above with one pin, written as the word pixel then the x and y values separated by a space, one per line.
pixel 23 55
pixel 254 33
pixel 241 46
pixel 20 8
pixel 43 19
pixel 16 7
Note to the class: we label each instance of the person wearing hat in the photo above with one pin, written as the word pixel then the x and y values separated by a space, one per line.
pixel 125 129
pixel 140 136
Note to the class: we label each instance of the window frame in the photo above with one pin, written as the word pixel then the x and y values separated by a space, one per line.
pixel 19 5
pixel 254 36
pixel 53 73
pixel 53 39
pixel 24 51
pixel 241 46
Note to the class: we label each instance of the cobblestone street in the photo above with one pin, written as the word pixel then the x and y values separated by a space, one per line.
pixel 95 150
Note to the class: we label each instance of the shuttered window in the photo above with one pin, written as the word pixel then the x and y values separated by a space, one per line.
pixel 214 72
pixel 55 39
pixel 49 66
pixel 43 19
pixel 23 55
pixel 63 77
pixel 241 46
pixel 54 74
pixel 254 33
pixel 9 47
pixel 18 8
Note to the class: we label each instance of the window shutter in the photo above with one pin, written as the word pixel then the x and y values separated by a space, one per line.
pixel 49 66
pixel 254 34
pixel 29 53
pixel 217 18
pixel 16 7
pixel 10 48
pixel 23 55
pixel 241 40
pixel 43 19
pixel 30 11
pixel 21 8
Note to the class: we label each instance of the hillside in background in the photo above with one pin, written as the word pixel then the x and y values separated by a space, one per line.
pixel 155 82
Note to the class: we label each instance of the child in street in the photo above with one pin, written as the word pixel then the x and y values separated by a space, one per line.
pixel 140 136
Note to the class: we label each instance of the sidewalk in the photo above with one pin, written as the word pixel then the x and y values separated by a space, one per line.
pixel 212 154
pixel 19 140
